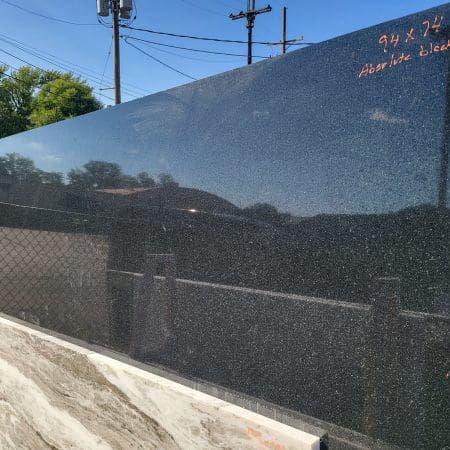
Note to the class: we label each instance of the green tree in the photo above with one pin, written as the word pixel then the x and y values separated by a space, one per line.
pixel 166 180
pixel 53 178
pixel 18 168
pixel 96 174
pixel 61 98
pixel 16 97
pixel 128 181
pixel 32 97
pixel 107 175
pixel 21 169
pixel 145 180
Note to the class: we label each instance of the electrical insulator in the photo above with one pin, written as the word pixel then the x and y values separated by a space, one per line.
pixel 125 7
pixel 103 8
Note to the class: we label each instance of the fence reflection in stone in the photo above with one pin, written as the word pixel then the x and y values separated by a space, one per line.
pixel 54 270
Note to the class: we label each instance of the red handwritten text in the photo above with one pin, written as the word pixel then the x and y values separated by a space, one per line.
pixel 265 443
pixel 428 25
pixel 420 36
pixel 435 26
pixel 426 50
pixel 369 68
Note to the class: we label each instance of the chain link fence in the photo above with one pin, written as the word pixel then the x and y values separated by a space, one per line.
pixel 56 280
pixel 54 267
pixel 54 263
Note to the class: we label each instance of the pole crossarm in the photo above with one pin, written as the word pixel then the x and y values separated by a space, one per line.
pixel 253 12
pixel 289 41
pixel 250 15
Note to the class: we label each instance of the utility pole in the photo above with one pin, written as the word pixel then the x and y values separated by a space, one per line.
pixel 115 31
pixel 250 15
pixel 284 42
pixel 120 9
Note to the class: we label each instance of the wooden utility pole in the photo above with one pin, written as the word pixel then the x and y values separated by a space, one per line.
pixel 285 42
pixel 115 28
pixel 250 15
pixel 283 34
pixel 120 9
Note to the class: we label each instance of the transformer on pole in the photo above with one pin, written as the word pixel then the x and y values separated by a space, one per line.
pixel 103 8
pixel 125 8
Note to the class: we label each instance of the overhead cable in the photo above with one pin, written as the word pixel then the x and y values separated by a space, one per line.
pixel 40 68
pixel 84 69
pixel 202 8
pixel 161 62
pixel 64 66
pixel 35 13
pixel 9 76
pixel 190 58
pixel 189 49
pixel 201 38
pixel 106 62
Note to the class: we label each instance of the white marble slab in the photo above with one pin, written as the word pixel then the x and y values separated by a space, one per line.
pixel 54 394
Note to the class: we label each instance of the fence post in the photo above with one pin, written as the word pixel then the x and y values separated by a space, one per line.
pixel 121 295
pixel 152 325
pixel 383 383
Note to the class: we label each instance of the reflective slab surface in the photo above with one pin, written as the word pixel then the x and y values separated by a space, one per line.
pixel 231 221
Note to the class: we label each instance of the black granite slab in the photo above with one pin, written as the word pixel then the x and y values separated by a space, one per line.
pixel 314 174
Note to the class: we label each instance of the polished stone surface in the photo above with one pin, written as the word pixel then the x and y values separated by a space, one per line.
pixel 65 277
pixel 56 395
pixel 288 189
pixel 311 173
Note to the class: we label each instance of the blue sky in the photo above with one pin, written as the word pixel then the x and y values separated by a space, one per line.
pixel 88 46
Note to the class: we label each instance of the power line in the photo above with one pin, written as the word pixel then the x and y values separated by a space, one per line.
pixel 20 59
pixel 68 22
pixel 61 65
pixel 85 69
pixel 8 75
pixel 9 65
pixel 161 62
pixel 188 48
pixel 190 58
pixel 19 80
pixel 106 62
pixel 35 13
pixel 210 11
pixel 40 68
pixel 200 38
pixel 103 95
pixel 228 5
